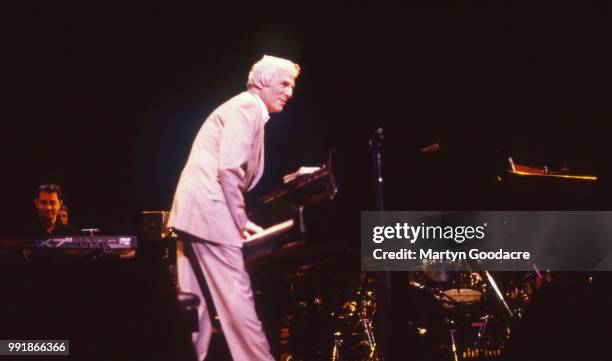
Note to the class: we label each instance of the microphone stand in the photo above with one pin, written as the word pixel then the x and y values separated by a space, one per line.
pixel 382 279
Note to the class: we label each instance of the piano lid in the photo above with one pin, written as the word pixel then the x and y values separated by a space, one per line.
pixel 306 186
pixel 524 170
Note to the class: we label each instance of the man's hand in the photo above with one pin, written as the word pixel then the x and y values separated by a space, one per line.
pixel 249 229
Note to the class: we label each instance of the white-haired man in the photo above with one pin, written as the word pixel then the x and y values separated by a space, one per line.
pixel 208 211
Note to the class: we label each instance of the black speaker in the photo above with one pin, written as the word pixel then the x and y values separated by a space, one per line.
pixel 153 226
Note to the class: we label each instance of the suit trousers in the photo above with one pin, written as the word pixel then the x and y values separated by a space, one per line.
pixel 230 287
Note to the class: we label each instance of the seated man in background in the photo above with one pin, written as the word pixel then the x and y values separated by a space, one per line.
pixel 48 203
pixel 63 215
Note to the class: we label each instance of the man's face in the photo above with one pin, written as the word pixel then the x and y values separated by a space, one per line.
pixel 63 217
pixel 279 92
pixel 48 204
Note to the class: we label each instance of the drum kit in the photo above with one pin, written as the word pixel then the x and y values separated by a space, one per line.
pixel 457 314
pixel 451 314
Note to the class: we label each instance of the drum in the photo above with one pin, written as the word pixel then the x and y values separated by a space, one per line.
pixel 451 287
pixel 452 315
pixel 519 288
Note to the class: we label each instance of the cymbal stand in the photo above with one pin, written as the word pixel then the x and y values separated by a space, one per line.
pixel 364 308
pixel 498 293
pixel 383 279
pixel 453 344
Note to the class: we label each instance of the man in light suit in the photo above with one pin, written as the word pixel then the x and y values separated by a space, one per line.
pixel 208 211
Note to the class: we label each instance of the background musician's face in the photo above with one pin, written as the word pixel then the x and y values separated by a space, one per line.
pixel 48 205
pixel 278 93
pixel 63 217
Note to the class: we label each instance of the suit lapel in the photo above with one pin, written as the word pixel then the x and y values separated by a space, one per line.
pixel 260 162
pixel 258 156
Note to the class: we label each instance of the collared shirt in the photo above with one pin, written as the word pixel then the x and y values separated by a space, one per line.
pixel 264 110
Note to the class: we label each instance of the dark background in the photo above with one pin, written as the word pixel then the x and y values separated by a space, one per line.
pixel 106 100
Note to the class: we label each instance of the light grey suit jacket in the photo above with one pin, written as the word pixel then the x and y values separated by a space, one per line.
pixel 226 160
